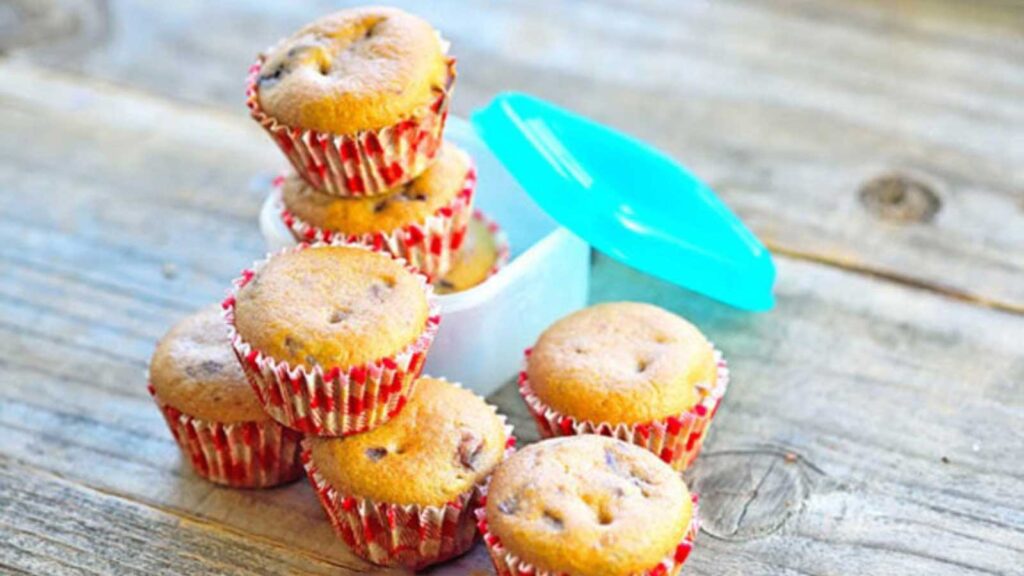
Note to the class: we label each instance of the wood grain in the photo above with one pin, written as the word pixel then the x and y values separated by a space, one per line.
pixel 868 384
pixel 789 109
pixel 873 425
pixel 53 526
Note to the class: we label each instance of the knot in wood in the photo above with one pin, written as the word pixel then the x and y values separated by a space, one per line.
pixel 900 198
pixel 748 494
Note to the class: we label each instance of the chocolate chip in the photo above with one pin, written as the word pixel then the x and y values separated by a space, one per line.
pixel 205 369
pixel 612 462
pixel 553 520
pixel 272 76
pixel 471 445
pixel 641 365
pixel 509 505
pixel 293 345
pixel 445 284
pixel 379 290
pixel 340 315
pixel 380 206
pixel 376 453
pixel 408 195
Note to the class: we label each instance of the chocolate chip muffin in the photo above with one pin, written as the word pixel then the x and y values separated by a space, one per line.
pixel 356 69
pixel 423 222
pixel 483 253
pixel 356 99
pixel 332 337
pixel 403 493
pixel 629 370
pixel 587 506
pixel 211 409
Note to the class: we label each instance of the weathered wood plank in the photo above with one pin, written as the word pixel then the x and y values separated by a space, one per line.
pixel 51 526
pixel 790 109
pixel 868 384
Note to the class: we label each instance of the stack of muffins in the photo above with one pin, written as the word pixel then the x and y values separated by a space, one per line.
pixel 319 366
pixel 357 101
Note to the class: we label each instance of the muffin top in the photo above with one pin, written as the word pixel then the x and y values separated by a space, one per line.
pixel 408 204
pixel 476 258
pixel 331 306
pixel 622 362
pixel 443 442
pixel 357 69
pixel 195 371
pixel 588 506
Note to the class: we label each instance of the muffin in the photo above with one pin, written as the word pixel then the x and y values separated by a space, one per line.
pixel 587 506
pixel 357 100
pixel 423 221
pixel 629 370
pixel 212 411
pixel 331 337
pixel 404 493
pixel 483 253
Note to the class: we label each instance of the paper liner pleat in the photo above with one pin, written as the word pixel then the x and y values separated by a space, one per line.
pixel 411 536
pixel 429 246
pixel 508 564
pixel 255 454
pixel 332 401
pixel 366 163
pixel 677 440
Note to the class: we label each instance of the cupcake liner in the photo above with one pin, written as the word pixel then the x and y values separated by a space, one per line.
pixel 411 536
pixel 429 246
pixel 508 564
pixel 677 439
pixel 240 454
pixel 332 401
pixel 365 163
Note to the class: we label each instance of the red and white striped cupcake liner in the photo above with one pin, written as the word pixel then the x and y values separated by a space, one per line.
pixel 365 163
pixel 332 401
pixel 677 440
pixel 508 564
pixel 256 454
pixel 429 246
pixel 410 536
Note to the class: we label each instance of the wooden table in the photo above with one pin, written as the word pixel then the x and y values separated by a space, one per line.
pixel 875 424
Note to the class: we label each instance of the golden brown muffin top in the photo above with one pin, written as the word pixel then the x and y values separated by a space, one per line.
pixel 195 371
pixel 588 506
pixel 409 204
pixel 621 362
pixel 476 258
pixel 440 445
pixel 357 69
pixel 331 306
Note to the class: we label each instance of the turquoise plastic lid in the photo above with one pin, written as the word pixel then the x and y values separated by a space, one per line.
pixel 628 200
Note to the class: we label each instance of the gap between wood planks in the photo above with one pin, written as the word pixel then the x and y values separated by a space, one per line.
pixel 776 248
pixel 187 518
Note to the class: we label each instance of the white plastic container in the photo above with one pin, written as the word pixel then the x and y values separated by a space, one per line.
pixel 485 329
